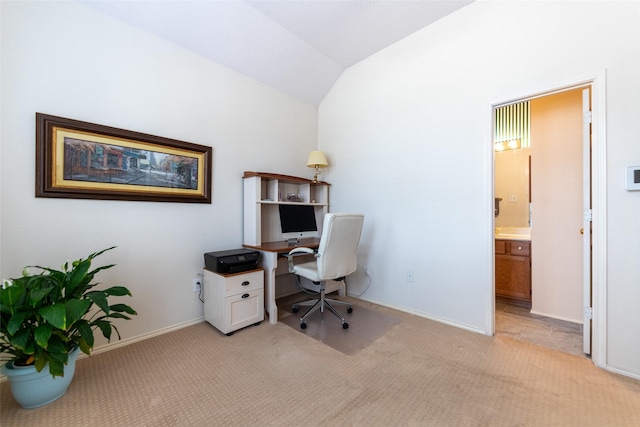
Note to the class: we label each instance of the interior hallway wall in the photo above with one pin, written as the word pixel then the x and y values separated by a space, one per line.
pixel 408 132
pixel 64 59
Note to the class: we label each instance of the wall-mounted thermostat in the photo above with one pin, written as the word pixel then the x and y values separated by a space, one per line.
pixel 632 178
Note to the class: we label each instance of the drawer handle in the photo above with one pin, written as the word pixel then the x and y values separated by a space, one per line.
pixel 245 283
pixel 245 296
pixel 519 248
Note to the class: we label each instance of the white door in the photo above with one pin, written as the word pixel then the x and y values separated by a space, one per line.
pixel 586 228
pixel 557 203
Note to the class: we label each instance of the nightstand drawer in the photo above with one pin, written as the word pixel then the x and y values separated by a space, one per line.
pixel 243 282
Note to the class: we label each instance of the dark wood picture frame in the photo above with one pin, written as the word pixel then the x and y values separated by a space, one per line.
pixel 82 160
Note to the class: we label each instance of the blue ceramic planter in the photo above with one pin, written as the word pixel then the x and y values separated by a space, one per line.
pixel 33 389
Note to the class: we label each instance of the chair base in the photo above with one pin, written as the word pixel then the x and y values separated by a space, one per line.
pixel 320 304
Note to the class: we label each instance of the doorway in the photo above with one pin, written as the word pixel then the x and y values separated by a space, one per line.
pixel 559 196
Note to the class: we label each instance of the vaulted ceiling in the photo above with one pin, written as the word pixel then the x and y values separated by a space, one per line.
pixel 298 46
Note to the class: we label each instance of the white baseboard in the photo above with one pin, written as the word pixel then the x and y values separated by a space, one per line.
pixel 565 319
pixel 622 372
pixel 127 341
pixel 426 316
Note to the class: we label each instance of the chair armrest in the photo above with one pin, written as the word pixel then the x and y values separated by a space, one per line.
pixel 300 251
pixel 295 252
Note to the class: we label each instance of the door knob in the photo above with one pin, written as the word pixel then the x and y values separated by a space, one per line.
pixel 582 231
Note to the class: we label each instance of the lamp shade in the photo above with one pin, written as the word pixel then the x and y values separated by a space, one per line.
pixel 317 158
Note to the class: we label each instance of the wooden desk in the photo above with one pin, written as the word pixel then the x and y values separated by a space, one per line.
pixel 269 262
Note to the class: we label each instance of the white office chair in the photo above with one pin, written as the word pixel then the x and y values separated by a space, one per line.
pixel 335 259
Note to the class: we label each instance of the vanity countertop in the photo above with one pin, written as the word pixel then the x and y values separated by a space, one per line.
pixel 513 233
pixel 526 237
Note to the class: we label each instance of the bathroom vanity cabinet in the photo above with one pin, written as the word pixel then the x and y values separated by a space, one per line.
pixel 513 271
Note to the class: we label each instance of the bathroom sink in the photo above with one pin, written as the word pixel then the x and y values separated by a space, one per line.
pixel 513 233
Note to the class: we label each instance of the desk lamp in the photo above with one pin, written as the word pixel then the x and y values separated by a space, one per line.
pixel 317 160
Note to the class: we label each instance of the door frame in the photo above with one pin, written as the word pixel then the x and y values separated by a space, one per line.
pixel 597 83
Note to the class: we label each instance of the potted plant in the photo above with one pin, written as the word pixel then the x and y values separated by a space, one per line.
pixel 47 318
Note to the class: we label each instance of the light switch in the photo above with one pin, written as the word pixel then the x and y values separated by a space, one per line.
pixel 632 178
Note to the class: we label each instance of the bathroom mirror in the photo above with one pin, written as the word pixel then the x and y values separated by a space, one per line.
pixel 512 185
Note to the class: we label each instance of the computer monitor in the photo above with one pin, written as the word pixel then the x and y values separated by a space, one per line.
pixel 298 221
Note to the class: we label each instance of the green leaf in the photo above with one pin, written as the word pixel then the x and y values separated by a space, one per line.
pixel 10 296
pixel 117 331
pixel 95 254
pixel 105 327
pixel 76 278
pixel 55 314
pixel 40 363
pixel 119 316
pixel 20 340
pixel 122 308
pixel 86 334
pixel 84 346
pixel 57 343
pixel 16 322
pixel 75 310
pixel 56 368
pixel 36 295
pixel 60 356
pixel 104 267
pixel 42 334
pixel 117 291
pixel 100 299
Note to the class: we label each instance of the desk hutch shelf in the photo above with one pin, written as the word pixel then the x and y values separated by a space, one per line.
pixel 264 192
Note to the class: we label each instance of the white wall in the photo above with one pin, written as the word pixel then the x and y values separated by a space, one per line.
pixel 64 59
pixel 408 133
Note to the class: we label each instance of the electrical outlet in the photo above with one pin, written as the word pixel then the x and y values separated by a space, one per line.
pixel 409 276
pixel 197 283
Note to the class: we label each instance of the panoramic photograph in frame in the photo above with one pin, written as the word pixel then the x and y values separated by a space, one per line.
pixel 77 159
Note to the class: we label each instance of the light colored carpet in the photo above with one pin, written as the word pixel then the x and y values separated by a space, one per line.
pixel 418 373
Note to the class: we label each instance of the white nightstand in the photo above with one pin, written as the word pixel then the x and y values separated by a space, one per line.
pixel 233 301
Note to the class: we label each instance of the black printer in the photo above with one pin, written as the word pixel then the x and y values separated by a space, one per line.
pixel 231 261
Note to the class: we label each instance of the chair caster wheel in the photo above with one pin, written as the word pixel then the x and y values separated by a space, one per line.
pixel 303 325
pixel 345 325
pixel 349 310
pixel 294 309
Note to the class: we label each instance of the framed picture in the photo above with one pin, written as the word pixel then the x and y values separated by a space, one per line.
pixel 83 160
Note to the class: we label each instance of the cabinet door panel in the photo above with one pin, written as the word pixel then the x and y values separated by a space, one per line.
pixel 513 276
pixel 245 309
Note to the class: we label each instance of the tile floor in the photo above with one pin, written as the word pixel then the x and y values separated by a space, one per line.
pixel 517 322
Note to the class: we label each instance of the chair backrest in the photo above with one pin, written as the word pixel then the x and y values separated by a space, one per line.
pixel 337 252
